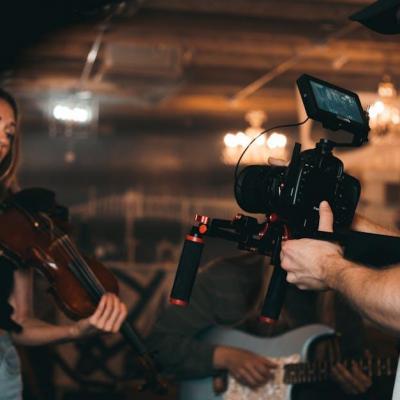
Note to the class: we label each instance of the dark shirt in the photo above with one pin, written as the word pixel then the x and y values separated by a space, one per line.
pixel 6 285
pixel 33 200
pixel 223 294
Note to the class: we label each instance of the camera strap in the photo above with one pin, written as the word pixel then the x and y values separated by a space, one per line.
pixel 366 248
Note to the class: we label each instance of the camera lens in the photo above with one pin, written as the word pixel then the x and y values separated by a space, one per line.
pixel 257 188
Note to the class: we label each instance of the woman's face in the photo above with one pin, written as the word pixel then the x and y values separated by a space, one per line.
pixel 7 128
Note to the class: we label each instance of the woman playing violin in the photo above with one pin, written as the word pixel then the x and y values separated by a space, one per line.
pixel 17 323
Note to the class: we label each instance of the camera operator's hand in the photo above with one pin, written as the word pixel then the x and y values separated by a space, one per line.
pixel 246 367
pixel 309 262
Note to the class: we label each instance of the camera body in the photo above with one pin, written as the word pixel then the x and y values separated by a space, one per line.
pixel 295 192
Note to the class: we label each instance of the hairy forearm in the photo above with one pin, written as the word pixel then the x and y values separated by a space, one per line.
pixel 374 293
pixel 36 332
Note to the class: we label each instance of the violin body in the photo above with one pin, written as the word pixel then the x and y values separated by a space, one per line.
pixel 67 291
pixel 32 235
pixel 35 239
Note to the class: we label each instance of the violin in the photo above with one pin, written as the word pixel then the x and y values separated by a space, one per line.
pixel 34 234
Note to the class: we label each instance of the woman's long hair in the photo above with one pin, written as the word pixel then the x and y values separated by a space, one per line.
pixel 9 165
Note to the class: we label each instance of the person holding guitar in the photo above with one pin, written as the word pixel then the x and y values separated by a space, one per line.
pixel 229 292
pixel 17 323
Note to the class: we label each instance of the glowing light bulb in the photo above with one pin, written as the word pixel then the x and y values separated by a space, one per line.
pixel 80 115
pixel 60 112
pixel 377 108
pixel 276 140
pixel 66 113
pixel 230 140
pixel 242 139
pixel 396 119
pixel 260 141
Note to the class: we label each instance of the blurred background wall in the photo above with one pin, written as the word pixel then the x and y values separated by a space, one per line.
pixel 125 110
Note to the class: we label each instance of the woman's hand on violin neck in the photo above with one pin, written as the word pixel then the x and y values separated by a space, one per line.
pixel 108 317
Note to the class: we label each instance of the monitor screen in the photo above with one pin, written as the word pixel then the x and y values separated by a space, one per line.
pixel 336 102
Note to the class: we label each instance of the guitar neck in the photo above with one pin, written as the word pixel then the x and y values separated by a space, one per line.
pixel 319 371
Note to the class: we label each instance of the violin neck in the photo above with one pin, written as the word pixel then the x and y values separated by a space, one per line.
pixel 133 338
pixel 96 290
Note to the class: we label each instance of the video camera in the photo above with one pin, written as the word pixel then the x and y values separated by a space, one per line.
pixel 290 197
pixel 295 192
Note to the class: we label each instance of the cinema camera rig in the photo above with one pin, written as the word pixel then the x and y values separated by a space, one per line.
pixel 289 197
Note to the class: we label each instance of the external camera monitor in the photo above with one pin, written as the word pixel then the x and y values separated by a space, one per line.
pixel 336 108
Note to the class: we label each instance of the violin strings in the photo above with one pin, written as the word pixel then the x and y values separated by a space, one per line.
pixel 78 260
pixel 70 250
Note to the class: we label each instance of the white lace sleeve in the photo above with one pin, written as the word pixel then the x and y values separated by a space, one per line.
pixel 273 390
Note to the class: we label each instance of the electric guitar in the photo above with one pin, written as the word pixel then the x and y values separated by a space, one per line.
pixel 290 351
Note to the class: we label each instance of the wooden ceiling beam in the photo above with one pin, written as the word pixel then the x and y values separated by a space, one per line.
pixel 290 10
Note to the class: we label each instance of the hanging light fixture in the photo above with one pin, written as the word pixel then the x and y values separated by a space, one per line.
pixel 384 113
pixel 73 115
pixel 264 147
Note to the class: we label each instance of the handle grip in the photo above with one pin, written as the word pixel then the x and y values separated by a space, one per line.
pixel 277 288
pixel 275 296
pixel 187 270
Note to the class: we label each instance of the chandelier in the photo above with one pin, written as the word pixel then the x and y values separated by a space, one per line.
pixel 262 148
pixel 72 117
pixel 384 114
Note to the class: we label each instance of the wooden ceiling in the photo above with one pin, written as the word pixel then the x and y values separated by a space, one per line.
pixel 164 62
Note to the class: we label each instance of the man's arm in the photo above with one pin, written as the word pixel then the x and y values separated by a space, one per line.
pixel 319 265
pixel 375 293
